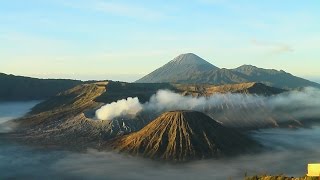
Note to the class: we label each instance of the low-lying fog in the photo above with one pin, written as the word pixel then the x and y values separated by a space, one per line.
pixel 292 150
pixel 11 110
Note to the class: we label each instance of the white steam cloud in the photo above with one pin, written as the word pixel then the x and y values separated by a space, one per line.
pixel 235 110
pixel 125 107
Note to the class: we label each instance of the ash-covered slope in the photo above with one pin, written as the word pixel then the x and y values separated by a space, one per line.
pixel 180 69
pixel 184 135
pixel 67 119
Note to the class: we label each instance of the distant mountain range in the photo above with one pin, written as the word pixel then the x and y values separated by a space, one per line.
pixel 26 88
pixel 191 69
pixel 186 69
pixel 20 88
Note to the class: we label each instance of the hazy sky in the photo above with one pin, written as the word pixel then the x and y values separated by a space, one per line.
pixel 123 40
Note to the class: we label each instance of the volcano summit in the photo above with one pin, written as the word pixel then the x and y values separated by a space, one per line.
pixel 184 135
pixel 181 69
pixel 189 68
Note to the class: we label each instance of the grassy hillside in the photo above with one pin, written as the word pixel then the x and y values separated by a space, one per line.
pixel 20 88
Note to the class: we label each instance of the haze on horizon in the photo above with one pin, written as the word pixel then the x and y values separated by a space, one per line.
pixel 122 40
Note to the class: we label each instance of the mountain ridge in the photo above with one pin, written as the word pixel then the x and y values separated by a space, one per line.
pixel 220 76
pixel 17 88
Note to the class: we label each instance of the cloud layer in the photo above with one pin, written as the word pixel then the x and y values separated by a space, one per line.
pixel 290 153
pixel 287 151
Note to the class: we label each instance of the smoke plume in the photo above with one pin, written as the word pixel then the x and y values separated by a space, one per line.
pixel 233 110
pixel 125 107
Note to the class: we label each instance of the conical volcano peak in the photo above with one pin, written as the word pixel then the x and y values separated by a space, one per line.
pixel 180 69
pixel 182 112
pixel 189 58
pixel 189 68
pixel 183 135
pixel 186 117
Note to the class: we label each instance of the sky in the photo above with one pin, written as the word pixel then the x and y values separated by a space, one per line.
pixel 126 39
